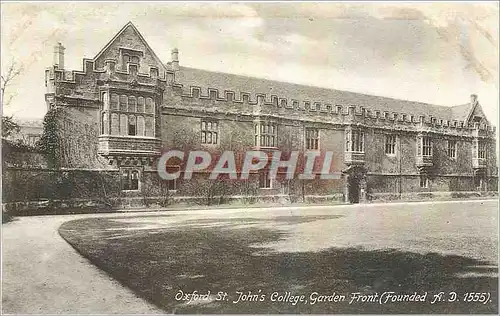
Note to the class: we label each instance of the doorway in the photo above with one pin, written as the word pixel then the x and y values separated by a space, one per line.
pixel 353 190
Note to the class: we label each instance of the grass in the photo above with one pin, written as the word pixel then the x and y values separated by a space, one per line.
pixel 157 263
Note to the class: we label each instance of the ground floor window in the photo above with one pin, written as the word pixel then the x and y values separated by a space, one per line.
pixel 130 179
pixel 424 181
pixel 265 182
pixel 478 182
pixel 172 185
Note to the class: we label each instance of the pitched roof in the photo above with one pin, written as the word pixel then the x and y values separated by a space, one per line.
pixel 223 81
pixel 136 31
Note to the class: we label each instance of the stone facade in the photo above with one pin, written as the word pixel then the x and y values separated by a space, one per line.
pixel 126 107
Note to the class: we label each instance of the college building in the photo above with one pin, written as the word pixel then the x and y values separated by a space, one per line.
pixel 127 107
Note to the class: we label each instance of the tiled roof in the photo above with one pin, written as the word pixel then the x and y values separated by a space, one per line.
pixel 223 81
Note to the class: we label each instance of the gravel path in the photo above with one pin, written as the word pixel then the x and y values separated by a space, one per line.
pixel 42 274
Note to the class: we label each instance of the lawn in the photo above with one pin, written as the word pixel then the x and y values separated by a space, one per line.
pixel 230 255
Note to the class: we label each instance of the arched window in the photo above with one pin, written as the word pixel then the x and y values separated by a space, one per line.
pixel 123 103
pixel 114 102
pixel 131 104
pixel 132 125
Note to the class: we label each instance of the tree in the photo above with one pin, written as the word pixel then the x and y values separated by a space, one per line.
pixel 13 71
pixel 9 127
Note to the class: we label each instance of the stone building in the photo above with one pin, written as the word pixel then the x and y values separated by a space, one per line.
pixel 30 131
pixel 126 107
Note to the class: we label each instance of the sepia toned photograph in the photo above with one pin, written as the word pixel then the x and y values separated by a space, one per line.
pixel 249 157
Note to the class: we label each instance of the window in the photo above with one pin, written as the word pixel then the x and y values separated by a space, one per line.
pixel 104 123
pixel 149 105
pixel 452 149
pixel 140 104
pixel 133 121
pixel 114 102
pixel 132 104
pixel 312 139
pixel 355 141
pixel 209 132
pixel 481 150
pixel 171 185
pixel 424 181
pixel 478 182
pixel 123 103
pixel 266 135
pixel 264 181
pixel 130 180
pixel 132 131
pixel 390 144
pixel 424 146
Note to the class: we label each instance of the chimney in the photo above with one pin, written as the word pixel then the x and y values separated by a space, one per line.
pixel 59 55
pixel 175 59
pixel 473 99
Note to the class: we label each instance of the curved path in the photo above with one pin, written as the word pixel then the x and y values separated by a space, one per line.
pixel 42 274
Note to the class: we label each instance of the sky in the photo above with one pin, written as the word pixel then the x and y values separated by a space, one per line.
pixel 437 53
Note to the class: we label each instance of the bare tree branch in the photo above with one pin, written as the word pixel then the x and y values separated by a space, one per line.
pixel 13 71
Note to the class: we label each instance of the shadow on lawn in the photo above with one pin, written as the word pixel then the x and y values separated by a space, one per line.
pixel 156 264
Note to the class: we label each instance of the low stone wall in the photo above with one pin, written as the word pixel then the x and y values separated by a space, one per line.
pixel 83 206
pixel 430 196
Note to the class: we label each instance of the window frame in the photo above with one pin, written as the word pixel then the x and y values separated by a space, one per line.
pixel 130 105
pixel 481 150
pixel 264 178
pixel 263 136
pixel 451 151
pixel 390 144
pixel 205 131
pixel 312 138
pixel 355 141
pixel 426 143
pixel 424 181
pixel 174 181
pixel 130 171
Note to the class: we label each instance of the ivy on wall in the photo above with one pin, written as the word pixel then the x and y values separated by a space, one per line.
pixel 50 141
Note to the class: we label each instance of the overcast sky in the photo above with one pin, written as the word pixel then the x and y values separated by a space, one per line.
pixel 438 53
